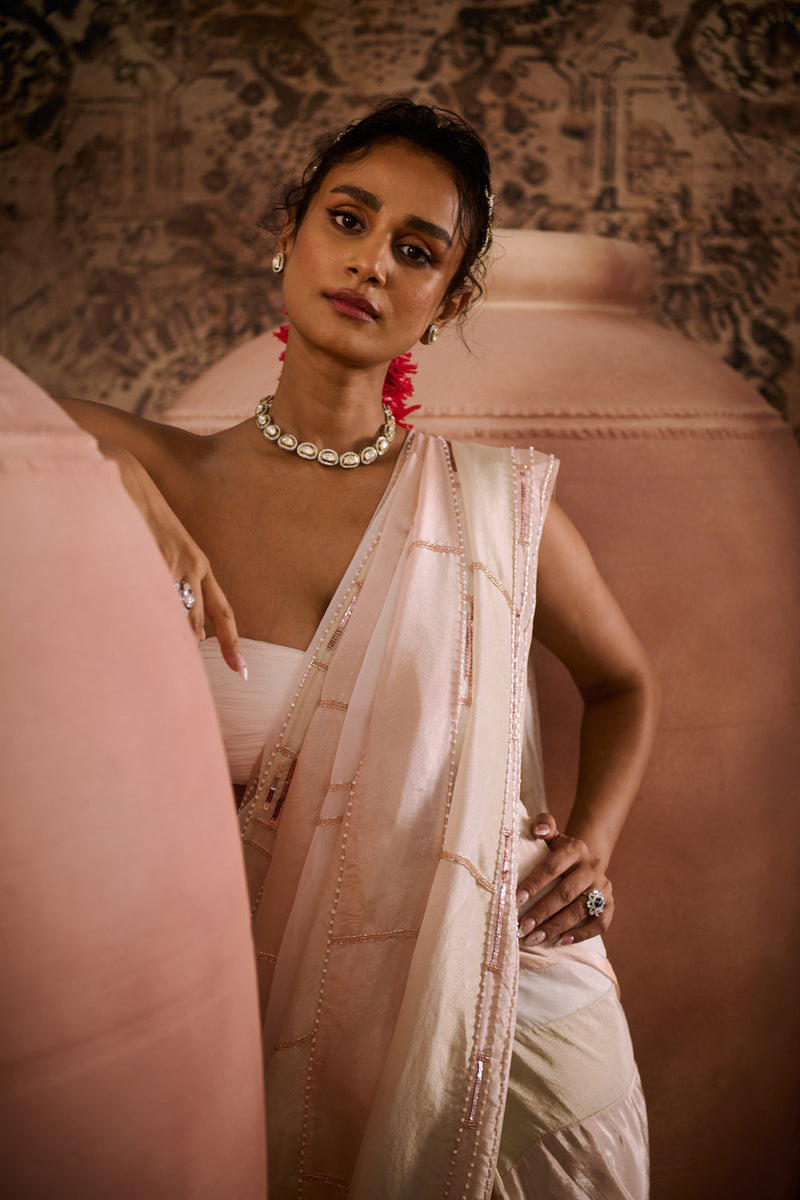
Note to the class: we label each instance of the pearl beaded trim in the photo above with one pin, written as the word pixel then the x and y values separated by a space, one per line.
pixel 329 458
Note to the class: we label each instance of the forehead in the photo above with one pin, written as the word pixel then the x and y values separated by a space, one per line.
pixel 405 178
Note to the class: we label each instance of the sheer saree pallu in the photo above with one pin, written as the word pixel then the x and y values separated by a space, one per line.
pixel 380 839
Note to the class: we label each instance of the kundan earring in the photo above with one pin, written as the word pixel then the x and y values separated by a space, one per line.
pixel 279 262
pixel 431 334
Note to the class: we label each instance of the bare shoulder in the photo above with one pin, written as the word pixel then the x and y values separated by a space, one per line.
pixel 157 447
pixel 562 551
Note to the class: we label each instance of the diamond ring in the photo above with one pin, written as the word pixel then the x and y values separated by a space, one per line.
pixel 595 902
pixel 186 594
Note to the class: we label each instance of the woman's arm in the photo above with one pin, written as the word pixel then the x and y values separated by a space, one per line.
pixel 579 620
pixel 116 434
pixel 155 446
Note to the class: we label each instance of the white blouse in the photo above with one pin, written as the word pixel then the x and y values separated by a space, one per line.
pixel 251 713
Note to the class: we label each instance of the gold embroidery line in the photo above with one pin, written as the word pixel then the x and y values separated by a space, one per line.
pixel 339 1184
pixel 266 956
pixel 421 544
pixel 342 705
pixel 256 820
pixel 340 787
pixel 473 870
pixel 331 820
pixel 349 939
pixel 248 841
pixel 294 1042
pixel 479 566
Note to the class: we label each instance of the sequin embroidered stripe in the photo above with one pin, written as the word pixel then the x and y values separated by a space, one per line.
pixel 524 534
pixel 279 788
pixel 348 612
pixel 465 692
pixel 472 1116
pixel 505 880
pixel 457 711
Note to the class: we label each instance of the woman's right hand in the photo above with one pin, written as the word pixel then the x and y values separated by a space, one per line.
pixel 186 561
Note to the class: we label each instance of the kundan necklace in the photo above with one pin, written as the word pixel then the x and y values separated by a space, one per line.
pixel 329 458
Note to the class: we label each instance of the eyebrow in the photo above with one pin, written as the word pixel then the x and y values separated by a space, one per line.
pixel 375 204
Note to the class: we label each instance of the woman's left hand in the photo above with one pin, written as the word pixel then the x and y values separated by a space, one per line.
pixel 570 871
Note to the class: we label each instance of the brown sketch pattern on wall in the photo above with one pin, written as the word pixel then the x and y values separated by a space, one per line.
pixel 139 142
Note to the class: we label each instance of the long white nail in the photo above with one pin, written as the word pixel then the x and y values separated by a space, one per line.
pixel 241 667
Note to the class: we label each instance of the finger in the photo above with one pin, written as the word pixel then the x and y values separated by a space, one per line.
pixel 595 927
pixel 587 927
pixel 194 613
pixel 220 614
pixel 566 854
pixel 544 826
pixel 569 926
pixel 568 894
pixel 571 887
pixel 197 615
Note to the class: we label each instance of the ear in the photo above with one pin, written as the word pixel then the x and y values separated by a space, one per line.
pixel 286 238
pixel 450 308
pixel 454 305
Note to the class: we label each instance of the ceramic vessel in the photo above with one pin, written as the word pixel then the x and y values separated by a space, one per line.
pixel 130 1059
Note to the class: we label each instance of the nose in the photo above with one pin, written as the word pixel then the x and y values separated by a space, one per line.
pixel 369 259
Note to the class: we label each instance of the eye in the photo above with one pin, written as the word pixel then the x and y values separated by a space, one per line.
pixel 415 254
pixel 345 220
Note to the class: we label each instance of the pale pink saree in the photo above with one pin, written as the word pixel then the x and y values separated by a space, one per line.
pixel 381 841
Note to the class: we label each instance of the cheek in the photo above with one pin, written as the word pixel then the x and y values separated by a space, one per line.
pixel 301 276
pixel 302 259
pixel 425 300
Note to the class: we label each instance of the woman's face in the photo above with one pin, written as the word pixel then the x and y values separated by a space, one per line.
pixel 369 268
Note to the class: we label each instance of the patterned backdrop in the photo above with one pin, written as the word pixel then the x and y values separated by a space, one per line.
pixel 140 140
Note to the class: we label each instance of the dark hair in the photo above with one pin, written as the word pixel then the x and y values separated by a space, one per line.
pixel 436 131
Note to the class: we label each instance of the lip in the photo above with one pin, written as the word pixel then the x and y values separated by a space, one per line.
pixel 352 304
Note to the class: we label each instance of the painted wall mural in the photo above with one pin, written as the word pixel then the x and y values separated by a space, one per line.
pixel 140 140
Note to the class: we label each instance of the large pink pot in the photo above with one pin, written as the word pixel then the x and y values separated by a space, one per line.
pixel 686 486
pixel 130 1061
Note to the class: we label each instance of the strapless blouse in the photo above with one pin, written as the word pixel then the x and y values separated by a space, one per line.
pixel 251 713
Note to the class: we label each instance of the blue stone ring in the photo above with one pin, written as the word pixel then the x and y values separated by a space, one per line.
pixel 595 902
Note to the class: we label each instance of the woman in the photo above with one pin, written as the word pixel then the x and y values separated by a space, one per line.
pixel 386 612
